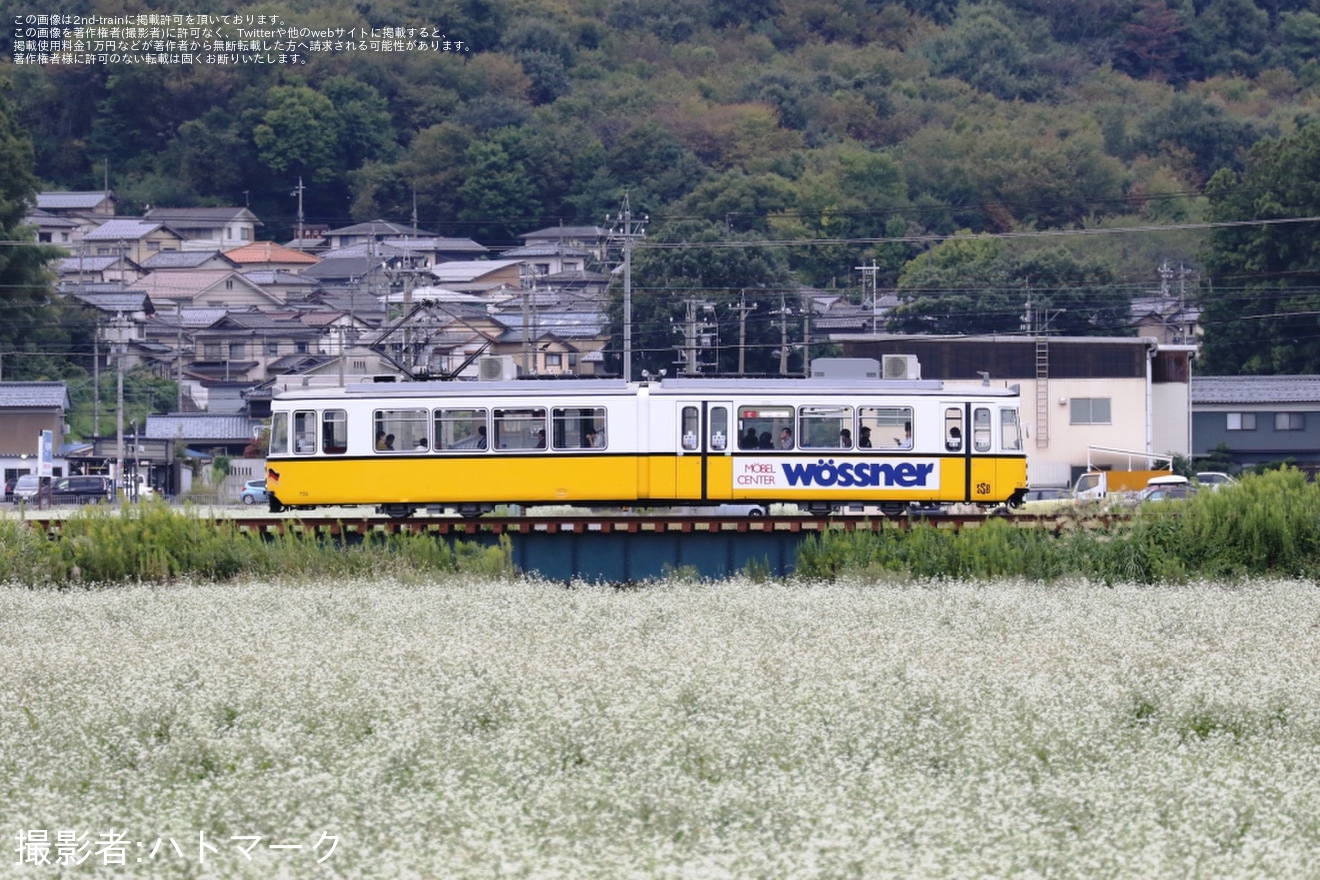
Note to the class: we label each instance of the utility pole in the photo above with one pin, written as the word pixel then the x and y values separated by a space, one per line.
pixel 806 334
pixel 783 335
pixel 869 274
pixel 118 335
pixel 298 191
pixel 96 381
pixel 742 308
pixel 178 356
pixel 629 232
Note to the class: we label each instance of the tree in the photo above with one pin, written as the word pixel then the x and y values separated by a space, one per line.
pixel 974 285
pixel 497 193
pixel 296 135
pixel 26 300
pixel 1261 309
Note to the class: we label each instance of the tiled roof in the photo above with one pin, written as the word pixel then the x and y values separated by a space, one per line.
pixel 34 394
pixel 467 270
pixel 1207 390
pixel 550 249
pixel 378 250
pixel 380 227
pixel 181 259
pixel 277 278
pixel 125 301
pixel 200 426
pixel 70 265
pixel 49 221
pixel 189 283
pixel 449 245
pixel 566 232
pixel 269 252
pixel 128 229
pixel 67 201
pixel 191 218
pixel 341 267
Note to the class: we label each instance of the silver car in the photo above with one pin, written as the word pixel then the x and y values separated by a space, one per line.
pixel 254 492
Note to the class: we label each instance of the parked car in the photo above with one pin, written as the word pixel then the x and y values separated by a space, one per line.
pixel 1214 479
pixel 82 490
pixel 1045 500
pixel 25 488
pixel 254 492
pixel 1166 489
pixel 9 489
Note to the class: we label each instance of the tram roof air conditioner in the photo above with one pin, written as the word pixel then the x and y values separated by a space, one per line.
pixel 900 366
pixel 494 369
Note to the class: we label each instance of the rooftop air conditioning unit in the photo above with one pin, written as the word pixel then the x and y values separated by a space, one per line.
pixel 494 369
pixel 900 366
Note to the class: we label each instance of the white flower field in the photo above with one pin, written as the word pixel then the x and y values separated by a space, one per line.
pixel 727 730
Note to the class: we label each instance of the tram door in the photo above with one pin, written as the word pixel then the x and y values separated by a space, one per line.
pixel 703 464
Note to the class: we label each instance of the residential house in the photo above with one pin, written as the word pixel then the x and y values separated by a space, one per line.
pixel 361 307
pixel 373 230
pixel 210 434
pixel 1171 320
pixel 478 276
pixel 116 304
pixel 132 238
pixel 554 341
pixel 87 209
pixel 210 288
pixel 1257 419
pixel 208 229
pixel 427 252
pixel 356 274
pixel 243 344
pixel 27 409
pixel 53 229
pixel 542 260
pixel 114 269
pixel 592 239
pixel 281 284
pixel 592 285
pixel 83 203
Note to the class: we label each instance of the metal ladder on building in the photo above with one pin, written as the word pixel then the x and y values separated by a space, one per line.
pixel 1042 393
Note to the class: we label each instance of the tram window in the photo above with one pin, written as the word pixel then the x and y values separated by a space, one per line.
pixel 760 426
pixel 953 430
pixel 304 432
pixel 460 430
pixel 578 427
pixel 981 429
pixel 1010 433
pixel 334 431
pixel 279 433
pixel 689 427
pixel 887 427
pixel 520 428
pixel 399 430
pixel 719 428
pixel 825 427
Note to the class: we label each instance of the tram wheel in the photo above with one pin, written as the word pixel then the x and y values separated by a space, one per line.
pixel 398 511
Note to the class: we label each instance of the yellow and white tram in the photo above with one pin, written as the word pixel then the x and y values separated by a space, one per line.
pixel 819 443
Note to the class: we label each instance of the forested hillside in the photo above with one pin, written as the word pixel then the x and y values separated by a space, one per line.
pixel 843 133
